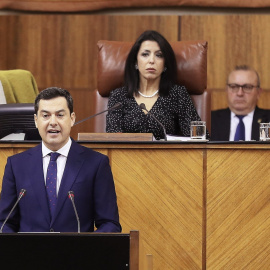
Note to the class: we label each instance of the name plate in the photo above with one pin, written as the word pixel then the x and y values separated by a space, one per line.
pixel 114 137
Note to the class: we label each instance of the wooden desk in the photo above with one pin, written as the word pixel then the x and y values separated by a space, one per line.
pixel 197 206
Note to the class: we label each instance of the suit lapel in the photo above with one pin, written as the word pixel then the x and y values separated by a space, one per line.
pixel 37 179
pixel 72 168
pixel 225 125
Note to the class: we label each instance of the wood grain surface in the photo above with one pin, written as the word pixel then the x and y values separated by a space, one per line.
pixel 197 206
pixel 97 5
pixel 160 194
pixel 232 40
pixel 60 49
pixel 238 206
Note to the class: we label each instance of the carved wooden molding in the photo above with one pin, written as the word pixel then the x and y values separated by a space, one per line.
pixel 95 5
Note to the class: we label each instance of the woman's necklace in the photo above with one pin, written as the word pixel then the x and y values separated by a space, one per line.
pixel 146 95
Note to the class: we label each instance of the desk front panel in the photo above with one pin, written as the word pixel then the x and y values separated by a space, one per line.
pixel 160 194
pixel 238 208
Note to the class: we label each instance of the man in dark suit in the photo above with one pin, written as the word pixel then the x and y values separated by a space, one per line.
pixel 243 91
pixel 46 206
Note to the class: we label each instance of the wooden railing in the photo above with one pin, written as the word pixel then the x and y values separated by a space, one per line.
pixel 90 5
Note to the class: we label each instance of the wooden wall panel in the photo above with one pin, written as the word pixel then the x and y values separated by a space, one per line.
pixel 61 49
pixel 212 29
pixel 57 49
pixel 232 40
pixel 218 99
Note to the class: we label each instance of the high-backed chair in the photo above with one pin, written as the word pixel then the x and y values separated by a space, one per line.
pixel 191 57
pixel 18 86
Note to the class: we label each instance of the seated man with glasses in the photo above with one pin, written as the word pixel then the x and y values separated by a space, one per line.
pixel 240 122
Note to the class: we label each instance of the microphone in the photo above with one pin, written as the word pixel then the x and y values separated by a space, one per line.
pixel 71 196
pixel 116 106
pixel 142 106
pixel 21 194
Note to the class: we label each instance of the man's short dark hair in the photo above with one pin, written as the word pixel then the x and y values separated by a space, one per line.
pixel 53 92
pixel 248 68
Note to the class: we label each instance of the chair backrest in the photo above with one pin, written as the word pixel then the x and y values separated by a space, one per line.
pixel 19 86
pixel 191 57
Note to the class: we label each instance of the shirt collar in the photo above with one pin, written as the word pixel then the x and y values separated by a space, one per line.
pixel 249 115
pixel 62 151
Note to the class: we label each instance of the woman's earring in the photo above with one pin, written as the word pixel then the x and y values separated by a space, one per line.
pixel 164 69
pixel 136 66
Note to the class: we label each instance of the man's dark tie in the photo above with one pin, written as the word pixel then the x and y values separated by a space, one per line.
pixel 51 180
pixel 240 130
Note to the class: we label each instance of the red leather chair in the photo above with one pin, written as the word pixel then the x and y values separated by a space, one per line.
pixel 191 57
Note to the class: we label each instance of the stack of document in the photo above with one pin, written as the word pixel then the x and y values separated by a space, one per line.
pixel 182 139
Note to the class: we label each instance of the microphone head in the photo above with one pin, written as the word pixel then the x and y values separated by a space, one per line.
pixel 142 106
pixel 71 194
pixel 22 192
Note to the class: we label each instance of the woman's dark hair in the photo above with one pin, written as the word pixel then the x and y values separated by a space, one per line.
pixel 168 78
pixel 53 92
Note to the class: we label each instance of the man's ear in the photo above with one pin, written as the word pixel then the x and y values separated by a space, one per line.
pixel 73 118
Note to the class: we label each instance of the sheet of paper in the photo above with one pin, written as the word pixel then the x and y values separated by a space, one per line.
pixel 14 137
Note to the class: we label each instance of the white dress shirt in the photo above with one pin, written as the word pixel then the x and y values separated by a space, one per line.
pixel 248 119
pixel 61 161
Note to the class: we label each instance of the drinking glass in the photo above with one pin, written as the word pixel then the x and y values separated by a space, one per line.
pixel 198 130
pixel 264 131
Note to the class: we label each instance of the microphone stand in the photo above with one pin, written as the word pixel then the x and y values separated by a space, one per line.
pixel 71 196
pixel 116 106
pixel 21 194
pixel 142 106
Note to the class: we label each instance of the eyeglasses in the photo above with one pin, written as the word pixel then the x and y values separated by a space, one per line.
pixel 247 88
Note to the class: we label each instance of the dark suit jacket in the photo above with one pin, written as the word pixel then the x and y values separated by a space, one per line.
pixel 87 173
pixel 221 122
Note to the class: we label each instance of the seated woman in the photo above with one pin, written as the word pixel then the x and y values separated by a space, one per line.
pixel 150 75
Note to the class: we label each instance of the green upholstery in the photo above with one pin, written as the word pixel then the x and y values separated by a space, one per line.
pixel 19 86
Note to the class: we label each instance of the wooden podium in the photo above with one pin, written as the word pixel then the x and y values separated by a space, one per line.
pixel 95 251
pixel 196 205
